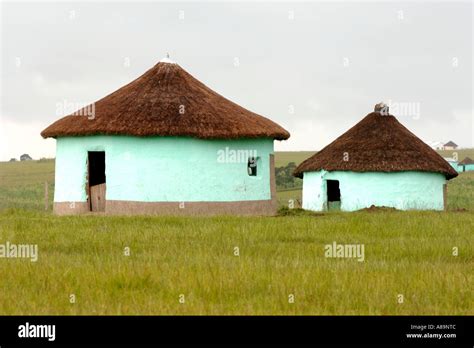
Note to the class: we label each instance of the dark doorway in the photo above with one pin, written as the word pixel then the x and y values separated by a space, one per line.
pixel 252 166
pixel 96 180
pixel 334 195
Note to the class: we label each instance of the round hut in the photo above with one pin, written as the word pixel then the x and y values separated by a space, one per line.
pixel 378 162
pixel 466 165
pixel 165 144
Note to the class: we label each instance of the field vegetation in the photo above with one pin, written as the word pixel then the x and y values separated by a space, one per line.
pixel 414 262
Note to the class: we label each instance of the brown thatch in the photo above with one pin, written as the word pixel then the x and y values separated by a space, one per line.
pixel 167 101
pixel 467 160
pixel 378 143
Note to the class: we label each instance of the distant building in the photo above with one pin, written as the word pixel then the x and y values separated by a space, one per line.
pixel 450 146
pixel 466 165
pixel 25 157
pixel 436 145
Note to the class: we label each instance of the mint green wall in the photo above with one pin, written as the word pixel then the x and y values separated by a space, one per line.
pixel 401 190
pixel 455 165
pixel 163 169
pixel 466 167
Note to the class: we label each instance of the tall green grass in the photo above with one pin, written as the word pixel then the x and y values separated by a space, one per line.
pixel 405 253
pixel 22 184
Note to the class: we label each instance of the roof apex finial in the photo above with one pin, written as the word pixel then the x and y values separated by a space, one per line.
pixel 381 108
pixel 167 59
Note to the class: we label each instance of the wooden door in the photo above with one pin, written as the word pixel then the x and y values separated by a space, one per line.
pixel 98 197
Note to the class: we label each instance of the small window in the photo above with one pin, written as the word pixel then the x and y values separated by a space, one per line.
pixel 252 166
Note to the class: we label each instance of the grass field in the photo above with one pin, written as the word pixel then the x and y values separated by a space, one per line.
pixel 173 259
pixel 282 158
pixel 461 154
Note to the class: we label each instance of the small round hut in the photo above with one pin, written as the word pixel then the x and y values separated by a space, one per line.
pixel 466 165
pixel 165 144
pixel 378 162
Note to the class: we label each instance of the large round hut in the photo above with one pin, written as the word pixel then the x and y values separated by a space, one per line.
pixel 378 162
pixel 165 144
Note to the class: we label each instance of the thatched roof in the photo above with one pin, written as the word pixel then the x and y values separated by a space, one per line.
pixel 467 160
pixel 167 101
pixel 378 143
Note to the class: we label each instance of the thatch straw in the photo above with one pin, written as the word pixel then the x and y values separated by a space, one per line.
pixel 377 143
pixel 167 101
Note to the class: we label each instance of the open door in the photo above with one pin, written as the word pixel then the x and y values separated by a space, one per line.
pixel 334 195
pixel 96 180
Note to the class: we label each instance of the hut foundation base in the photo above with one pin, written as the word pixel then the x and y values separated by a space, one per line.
pixel 112 207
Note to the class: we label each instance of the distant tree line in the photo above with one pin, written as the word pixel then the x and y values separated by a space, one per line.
pixel 285 179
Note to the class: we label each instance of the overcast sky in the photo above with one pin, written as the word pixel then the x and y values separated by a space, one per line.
pixel 316 68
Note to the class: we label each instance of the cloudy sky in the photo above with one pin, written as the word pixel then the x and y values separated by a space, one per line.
pixel 316 68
